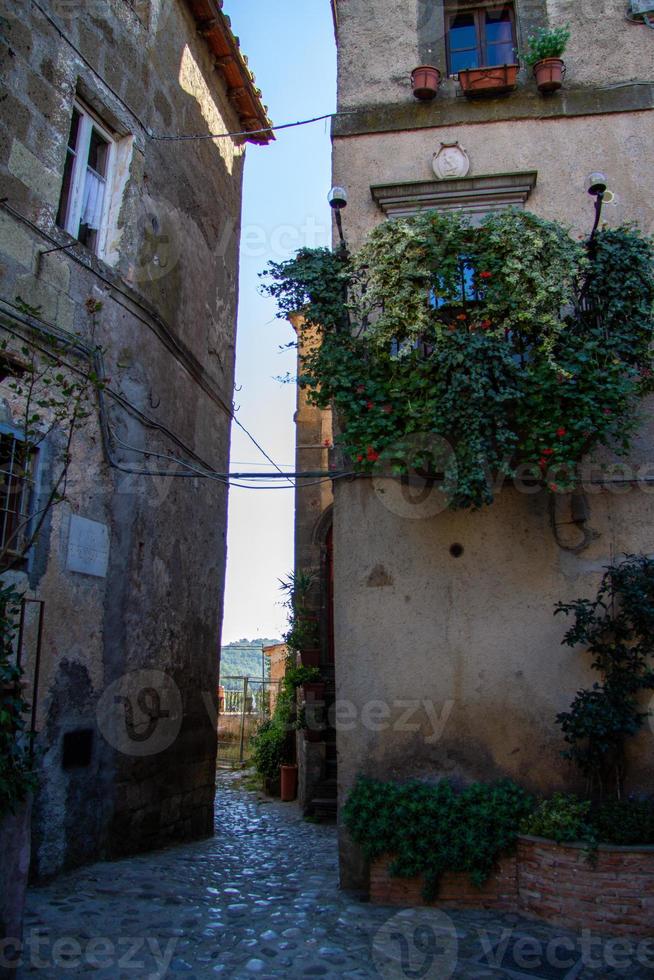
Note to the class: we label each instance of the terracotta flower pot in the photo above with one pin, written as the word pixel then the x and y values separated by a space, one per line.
pixel 288 780
pixel 425 81
pixel 549 74
pixel 480 82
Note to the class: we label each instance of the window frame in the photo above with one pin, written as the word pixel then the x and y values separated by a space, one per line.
pixel 70 222
pixel 479 13
pixel 29 494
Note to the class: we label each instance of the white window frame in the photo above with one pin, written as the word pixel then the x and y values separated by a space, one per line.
pixel 88 122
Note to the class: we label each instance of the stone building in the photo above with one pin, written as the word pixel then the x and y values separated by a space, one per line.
pixel 454 610
pixel 120 239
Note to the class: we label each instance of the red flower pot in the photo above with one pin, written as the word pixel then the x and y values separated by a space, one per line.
pixel 425 81
pixel 288 780
pixel 479 82
pixel 549 74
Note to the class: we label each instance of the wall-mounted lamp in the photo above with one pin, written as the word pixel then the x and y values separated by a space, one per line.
pixel 597 184
pixel 337 198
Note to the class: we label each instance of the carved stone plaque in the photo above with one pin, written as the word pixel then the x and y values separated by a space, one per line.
pixel 451 161
pixel 88 547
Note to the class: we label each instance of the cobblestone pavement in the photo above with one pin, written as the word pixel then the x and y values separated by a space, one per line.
pixel 261 899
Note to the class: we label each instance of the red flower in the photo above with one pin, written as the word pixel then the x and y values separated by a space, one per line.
pixel 553 487
pixel 607 411
pixel 359 458
pixel 388 409
pixel 548 452
pixel 485 324
pixel 543 463
pixel 462 316
pixel 370 405
pixel 360 389
pixel 560 432
pixel 327 443
pixel 372 456
pixel 485 275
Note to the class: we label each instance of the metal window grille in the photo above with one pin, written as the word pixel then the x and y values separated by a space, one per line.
pixel 16 489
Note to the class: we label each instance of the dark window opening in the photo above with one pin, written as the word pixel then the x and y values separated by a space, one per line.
pixel 483 37
pixel 16 488
pixel 77 749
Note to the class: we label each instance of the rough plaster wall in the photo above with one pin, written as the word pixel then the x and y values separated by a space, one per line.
pixel 382 41
pixel 563 151
pixel 475 636
pixel 161 604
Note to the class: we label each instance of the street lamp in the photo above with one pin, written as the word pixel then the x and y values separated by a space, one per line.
pixel 337 198
pixel 597 184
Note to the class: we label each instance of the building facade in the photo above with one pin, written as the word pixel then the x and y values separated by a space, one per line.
pixel 119 251
pixel 448 659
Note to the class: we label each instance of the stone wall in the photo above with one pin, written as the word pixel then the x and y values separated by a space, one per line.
pixel 168 289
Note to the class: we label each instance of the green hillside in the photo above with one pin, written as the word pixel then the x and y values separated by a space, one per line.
pixel 243 659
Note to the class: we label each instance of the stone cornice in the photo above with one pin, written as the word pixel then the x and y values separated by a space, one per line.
pixel 400 117
pixel 246 98
pixel 469 195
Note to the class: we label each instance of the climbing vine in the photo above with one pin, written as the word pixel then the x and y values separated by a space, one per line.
pixel 519 346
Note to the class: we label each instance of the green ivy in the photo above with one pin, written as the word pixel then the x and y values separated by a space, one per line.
pixel 617 629
pixel 16 774
pixel 548 359
pixel 429 829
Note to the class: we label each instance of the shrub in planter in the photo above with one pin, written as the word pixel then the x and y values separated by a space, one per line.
pixel 429 829
pixel 544 56
pixel 563 819
pixel 617 629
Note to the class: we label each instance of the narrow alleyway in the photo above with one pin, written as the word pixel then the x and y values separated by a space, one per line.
pixel 261 899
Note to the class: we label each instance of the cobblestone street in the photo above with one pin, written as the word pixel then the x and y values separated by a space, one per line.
pixel 261 899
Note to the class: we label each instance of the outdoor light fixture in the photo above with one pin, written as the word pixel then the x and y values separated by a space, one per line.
pixel 337 198
pixel 597 184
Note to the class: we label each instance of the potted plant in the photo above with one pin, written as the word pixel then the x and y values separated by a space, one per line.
pixel 288 782
pixel 425 80
pixel 544 50
pixel 479 82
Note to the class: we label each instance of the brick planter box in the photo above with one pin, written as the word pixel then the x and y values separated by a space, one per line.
pixel 614 895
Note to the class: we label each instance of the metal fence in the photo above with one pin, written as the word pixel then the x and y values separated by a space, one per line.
pixel 244 703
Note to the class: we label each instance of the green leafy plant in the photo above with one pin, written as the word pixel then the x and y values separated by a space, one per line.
pixel 302 633
pixel 626 823
pixel 564 819
pixel 513 343
pixel 16 775
pixel 547 43
pixel 428 829
pixel 617 629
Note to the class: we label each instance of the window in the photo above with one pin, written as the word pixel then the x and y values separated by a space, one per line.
pixel 87 177
pixel 16 492
pixel 480 38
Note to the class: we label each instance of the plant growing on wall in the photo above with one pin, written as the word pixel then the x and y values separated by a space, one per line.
pixel 302 633
pixel 617 630
pixel 51 399
pixel 514 343
pixel 16 776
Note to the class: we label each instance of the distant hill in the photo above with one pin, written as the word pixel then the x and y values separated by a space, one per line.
pixel 243 659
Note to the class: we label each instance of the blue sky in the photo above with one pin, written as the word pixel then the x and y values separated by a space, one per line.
pixel 290 47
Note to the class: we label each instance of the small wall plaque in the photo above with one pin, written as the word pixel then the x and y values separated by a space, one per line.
pixel 88 547
pixel 451 161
